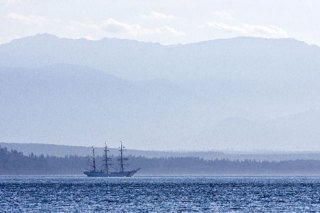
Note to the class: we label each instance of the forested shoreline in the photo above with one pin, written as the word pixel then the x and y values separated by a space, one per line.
pixel 16 163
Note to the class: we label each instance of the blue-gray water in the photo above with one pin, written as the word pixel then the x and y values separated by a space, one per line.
pixel 159 194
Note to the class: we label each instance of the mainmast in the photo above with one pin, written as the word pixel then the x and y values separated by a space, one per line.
pixel 93 160
pixel 122 159
pixel 106 158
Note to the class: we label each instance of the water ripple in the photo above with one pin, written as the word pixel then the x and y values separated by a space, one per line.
pixel 159 194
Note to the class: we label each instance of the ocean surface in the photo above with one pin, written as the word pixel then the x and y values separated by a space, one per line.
pixel 159 194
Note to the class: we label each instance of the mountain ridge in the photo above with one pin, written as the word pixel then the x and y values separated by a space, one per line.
pixel 132 59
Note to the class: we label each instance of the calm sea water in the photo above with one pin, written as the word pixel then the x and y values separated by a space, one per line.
pixel 159 194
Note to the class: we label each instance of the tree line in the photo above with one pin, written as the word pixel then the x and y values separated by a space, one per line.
pixel 13 162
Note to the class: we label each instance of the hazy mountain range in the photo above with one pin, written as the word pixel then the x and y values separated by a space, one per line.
pixel 241 93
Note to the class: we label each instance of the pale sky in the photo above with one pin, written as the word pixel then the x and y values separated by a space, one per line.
pixel 165 21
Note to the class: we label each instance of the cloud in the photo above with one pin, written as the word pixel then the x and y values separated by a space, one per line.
pixel 223 14
pixel 116 27
pixel 28 19
pixel 270 31
pixel 224 27
pixel 243 29
pixel 9 2
pixel 157 15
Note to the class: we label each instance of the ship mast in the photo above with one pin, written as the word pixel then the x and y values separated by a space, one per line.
pixel 93 160
pixel 106 158
pixel 122 159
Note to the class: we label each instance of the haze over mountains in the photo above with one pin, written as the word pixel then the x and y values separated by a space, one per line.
pixel 241 93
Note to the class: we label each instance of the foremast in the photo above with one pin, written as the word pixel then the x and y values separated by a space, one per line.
pixel 107 159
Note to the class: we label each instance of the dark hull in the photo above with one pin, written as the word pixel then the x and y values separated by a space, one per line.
pixel 110 174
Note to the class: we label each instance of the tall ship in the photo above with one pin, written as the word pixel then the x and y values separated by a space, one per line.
pixel 105 172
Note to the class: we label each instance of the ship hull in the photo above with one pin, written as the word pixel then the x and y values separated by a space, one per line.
pixel 110 174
